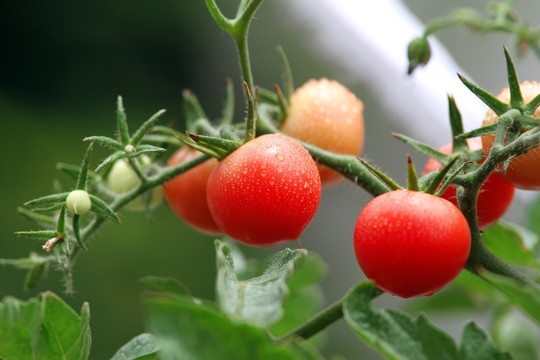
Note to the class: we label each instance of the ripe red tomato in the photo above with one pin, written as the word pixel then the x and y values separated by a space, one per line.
pixel 523 171
pixel 326 114
pixel 266 192
pixel 411 243
pixel 495 195
pixel 186 193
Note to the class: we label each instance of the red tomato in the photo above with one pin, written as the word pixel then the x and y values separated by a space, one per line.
pixel 266 192
pixel 523 171
pixel 495 194
pixel 326 114
pixel 411 243
pixel 186 193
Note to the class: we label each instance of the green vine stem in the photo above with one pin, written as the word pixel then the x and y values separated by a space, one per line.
pixel 501 18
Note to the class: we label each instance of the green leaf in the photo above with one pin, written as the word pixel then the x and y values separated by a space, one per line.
pixel 167 284
pixel 514 333
pixel 525 297
pixel 34 275
pixel 142 347
pixel 257 300
pixel 475 345
pixel 190 329
pixel 305 295
pixel 397 335
pixel 533 216
pixel 512 243
pixel 44 328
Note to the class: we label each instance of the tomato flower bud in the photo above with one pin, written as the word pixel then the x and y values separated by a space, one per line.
pixel 78 202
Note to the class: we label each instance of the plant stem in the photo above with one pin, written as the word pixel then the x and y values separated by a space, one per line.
pixel 317 323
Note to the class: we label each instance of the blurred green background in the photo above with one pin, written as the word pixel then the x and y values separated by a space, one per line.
pixel 64 63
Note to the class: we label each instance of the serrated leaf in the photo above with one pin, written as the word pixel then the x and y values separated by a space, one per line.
pixel 392 332
pixel 190 329
pixel 257 300
pixel 44 328
pixel 305 295
pixel 512 243
pixel 525 297
pixel 102 209
pixel 142 347
pixel 167 284
pixel 475 345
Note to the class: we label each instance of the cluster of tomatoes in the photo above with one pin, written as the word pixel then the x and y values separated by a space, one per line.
pixel 267 191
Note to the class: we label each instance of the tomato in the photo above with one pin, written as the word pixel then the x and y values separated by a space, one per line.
pixel 411 243
pixel 266 192
pixel 523 171
pixel 186 193
pixel 495 195
pixel 326 114
pixel 78 202
pixel 122 179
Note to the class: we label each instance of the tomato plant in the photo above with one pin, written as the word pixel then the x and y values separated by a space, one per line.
pixel 186 193
pixel 328 115
pixel 266 192
pixel 495 195
pixel 411 243
pixel 523 170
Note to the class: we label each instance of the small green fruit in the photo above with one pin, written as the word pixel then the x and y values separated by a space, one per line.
pixel 78 202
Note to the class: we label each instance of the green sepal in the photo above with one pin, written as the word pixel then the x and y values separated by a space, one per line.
pixel 82 180
pixel 423 148
pixel 193 109
pixel 105 141
pixel 516 99
pixel 289 82
pixel 391 184
pixel 38 234
pixel 531 106
pixel 412 177
pixel 36 273
pixel 27 263
pixel 449 180
pixel 228 132
pixel 61 222
pixel 37 218
pixel 481 131
pixel 494 104
pixel 145 127
pixel 102 209
pixel 77 231
pixel 111 159
pixel 432 183
pixel 121 123
pixel 47 200
pixel 282 103
pixel 217 144
pixel 73 171
pixel 456 124
pixel 147 149
pixel 227 113
pixel 162 139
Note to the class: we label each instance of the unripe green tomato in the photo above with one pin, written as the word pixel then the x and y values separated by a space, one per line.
pixel 78 202
pixel 122 179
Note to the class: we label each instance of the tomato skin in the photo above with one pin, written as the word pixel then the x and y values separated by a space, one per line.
pixel 266 192
pixel 411 243
pixel 186 193
pixel 326 114
pixel 524 170
pixel 495 194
